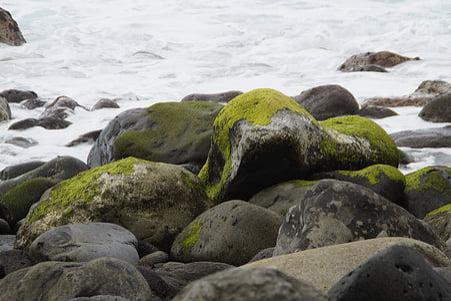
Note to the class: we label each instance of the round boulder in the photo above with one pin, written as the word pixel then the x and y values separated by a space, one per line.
pixel 376 112
pixel 374 61
pixel 438 110
pixel 105 103
pixel 433 137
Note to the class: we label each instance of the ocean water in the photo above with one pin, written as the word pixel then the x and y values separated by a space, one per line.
pixel 144 52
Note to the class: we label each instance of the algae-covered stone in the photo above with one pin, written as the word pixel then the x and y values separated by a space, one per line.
pixel 440 221
pixel 171 132
pixel 382 179
pixel 427 189
pixel 231 232
pixel 154 201
pixel 264 137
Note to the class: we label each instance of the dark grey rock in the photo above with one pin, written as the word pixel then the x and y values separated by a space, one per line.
pixel 223 97
pixel 19 169
pixel 89 137
pixel 438 110
pixel 263 254
pixel 105 103
pixel 4 227
pixel 49 123
pixel 397 273
pixel 374 61
pixel 16 96
pixel 100 298
pixel 12 260
pixel 433 137
pixel 32 103
pixel 22 142
pixel 7 242
pixel 154 258
pixel 163 285
pixel 328 101
pixel 145 248
pixel 9 30
pixel 56 112
pixel 376 112
pixel 65 102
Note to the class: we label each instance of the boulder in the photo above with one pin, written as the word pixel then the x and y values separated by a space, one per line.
pixel 433 137
pixel 154 258
pixel 9 30
pixel 376 112
pixel 409 277
pixel 89 137
pixel 7 242
pixel 281 197
pixel 65 280
pixel 374 61
pixel 263 254
pixel 49 123
pixel 32 103
pixel 328 101
pixel 249 285
pixel 4 227
pixel 440 221
pixel 154 201
pixel 101 298
pixel 21 142
pixel 177 133
pixel 16 96
pixel 323 267
pixel 19 169
pixel 5 110
pixel 438 109
pixel 13 260
pixel 335 212
pixel 263 137
pixel 232 232
pixel 428 189
pixel 64 102
pixel 385 180
pixel 85 242
pixel 105 103
pixel 217 97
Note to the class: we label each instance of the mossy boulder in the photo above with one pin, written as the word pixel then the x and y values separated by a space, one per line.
pixel 264 137
pixel 154 201
pixel 440 221
pixel 170 132
pixel 428 189
pixel 231 232
pixel 385 180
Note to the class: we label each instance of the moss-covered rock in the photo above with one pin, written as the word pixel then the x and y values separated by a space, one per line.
pixel 385 180
pixel 428 189
pixel 18 200
pixel 155 201
pixel 440 221
pixel 264 137
pixel 170 132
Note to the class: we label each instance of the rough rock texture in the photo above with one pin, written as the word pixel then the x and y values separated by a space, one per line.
pixel 154 201
pixel 9 30
pixel 263 137
pixel 427 189
pixel 334 212
pixel 281 197
pixel 433 137
pixel 54 281
pixel 22 142
pixel 85 242
pixel 19 169
pixel 49 123
pixel 249 285
pixel 89 137
pixel 65 102
pixel 385 180
pixel 374 61
pixel 100 298
pixel 328 101
pixel 7 242
pixel 376 112
pixel 424 94
pixel 177 133
pixel 12 260
pixel 5 110
pixel 396 274
pixel 438 110
pixel 16 96
pixel 263 254
pixel 232 232
pixel 440 221
pixel 32 103
pixel 154 258
pixel 105 103
pixel 216 97
pixel 323 267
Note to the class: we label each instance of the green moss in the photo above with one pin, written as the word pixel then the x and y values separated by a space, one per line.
pixel 428 178
pixel 193 236
pixel 303 183
pixel 382 145
pixel 173 124
pixel 374 173
pixel 256 107
pixel 443 209
pixel 83 187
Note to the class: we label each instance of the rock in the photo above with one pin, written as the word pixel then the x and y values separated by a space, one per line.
pixel 218 97
pixel 432 137
pixel 328 101
pixel 405 158
pixel 335 212
pixel 438 110
pixel 3 114
pixel 89 137
pixel 4 227
pixel 385 180
pixel 176 133
pixel 154 258
pixel 16 202
pixel 444 272
pixel 231 232
pixel 19 169
pixel 323 267
pixel 154 201
pixel 409 275
pixel 13 260
pixel 440 221
pixel 374 61
pixel 63 281
pixel 376 112
pixel 82 243
pixel 105 103
pixel 9 30
pixel 5 110
pixel 145 248
pixel 16 96
pixel 249 285
pixel 32 103
pixel 263 137
pixel 22 142
pixel 7 242
pixel 58 169
pixel 281 197
pixel 56 113
pixel 263 254
pixel 424 94
pixel 65 102
pixel 427 189
pixel 100 298
pixel 49 123
pixel 163 285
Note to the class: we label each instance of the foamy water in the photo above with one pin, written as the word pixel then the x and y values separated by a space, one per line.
pixel 149 51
